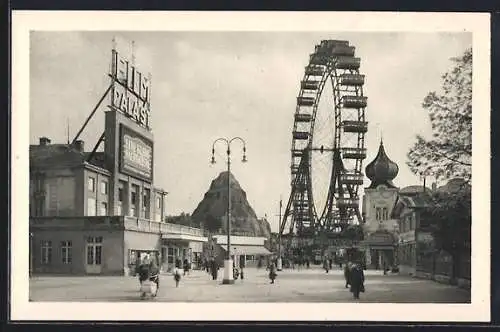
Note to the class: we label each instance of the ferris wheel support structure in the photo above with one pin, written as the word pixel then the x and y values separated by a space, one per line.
pixel 327 144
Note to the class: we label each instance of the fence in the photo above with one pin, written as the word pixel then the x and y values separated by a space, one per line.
pixel 441 264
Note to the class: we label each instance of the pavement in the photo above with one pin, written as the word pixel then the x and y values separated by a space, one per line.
pixel 306 285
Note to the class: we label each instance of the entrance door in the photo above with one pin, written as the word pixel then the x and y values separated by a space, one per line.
pixel 94 255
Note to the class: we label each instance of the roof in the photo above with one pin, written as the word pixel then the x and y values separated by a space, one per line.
pixel 248 250
pixel 417 200
pixel 382 170
pixel 411 190
pixel 61 155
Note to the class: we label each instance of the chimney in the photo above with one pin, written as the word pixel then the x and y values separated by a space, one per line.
pixel 44 141
pixel 79 145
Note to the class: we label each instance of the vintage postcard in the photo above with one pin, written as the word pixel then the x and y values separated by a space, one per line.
pixel 250 166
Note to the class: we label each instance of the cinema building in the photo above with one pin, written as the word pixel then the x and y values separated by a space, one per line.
pixel 96 212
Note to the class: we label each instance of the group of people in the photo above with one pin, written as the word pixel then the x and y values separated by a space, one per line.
pixel 211 267
pixel 354 278
pixel 148 270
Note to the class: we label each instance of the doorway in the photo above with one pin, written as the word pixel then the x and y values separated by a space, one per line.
pixel 94 255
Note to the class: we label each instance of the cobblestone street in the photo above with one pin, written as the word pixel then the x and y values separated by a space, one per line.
pixel 312 285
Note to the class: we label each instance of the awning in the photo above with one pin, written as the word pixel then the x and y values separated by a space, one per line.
pixel 248 250
pixel 184 237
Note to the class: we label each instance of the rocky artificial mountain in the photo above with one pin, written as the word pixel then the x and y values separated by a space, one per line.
pixel 211 212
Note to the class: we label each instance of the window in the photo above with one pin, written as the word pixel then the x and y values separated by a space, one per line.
pixel 385 214
pixel 378 214
pixel 170 255
pixel 121 198
pixel 134 200
pixel 94 250
pixel 91 184
pixel 145 203
pixel 132 257
pixel 46 251
pixel 104 187
pixel 104 209
pixel 66 253
pixel 91 206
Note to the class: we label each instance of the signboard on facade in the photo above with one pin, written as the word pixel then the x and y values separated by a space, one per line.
pixel 136 154
pixel 131 91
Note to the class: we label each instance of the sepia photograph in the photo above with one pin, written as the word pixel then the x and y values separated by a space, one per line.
pixel 264 166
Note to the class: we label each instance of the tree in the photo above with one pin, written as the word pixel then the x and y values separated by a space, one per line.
pixel 183 219
pixel 448 153
pixel 212 223
pixel 353 233
pixel 450 224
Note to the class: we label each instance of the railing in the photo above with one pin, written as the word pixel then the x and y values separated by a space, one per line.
pixel 153 226
pixel 124 222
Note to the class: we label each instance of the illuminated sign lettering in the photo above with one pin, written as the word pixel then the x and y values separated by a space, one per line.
pixel 136 154
pixel 131 91
pixel 130 105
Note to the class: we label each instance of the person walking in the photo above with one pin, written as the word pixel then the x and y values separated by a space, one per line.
pixel 186 266
pixel 154 272
pixel 177 276
pixel 325 264
pixel 178 263
pixel 272 272
pixel 347 271
pixel 357 280
pixel 214 269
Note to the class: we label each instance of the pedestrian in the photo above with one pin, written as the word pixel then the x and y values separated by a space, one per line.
pixel 330 261
pixel 207 265
pixel 357 280
pixel 347 271
pixel 259 263
pixel 242 266
pixel 186 266
pixel 143 268
pixel 177 276
pixel 154 273
pixel 178 263
pixel 325 265
pixel 307 262
pixel 272 272
pixel 214 269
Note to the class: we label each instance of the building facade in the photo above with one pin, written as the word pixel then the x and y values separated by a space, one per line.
pixel 97 212
pixel 246 251
pixel 380 230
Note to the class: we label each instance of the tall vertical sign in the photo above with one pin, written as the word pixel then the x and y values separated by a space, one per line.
pixel 131 92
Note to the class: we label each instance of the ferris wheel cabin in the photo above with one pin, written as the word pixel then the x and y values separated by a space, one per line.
pixel 355 126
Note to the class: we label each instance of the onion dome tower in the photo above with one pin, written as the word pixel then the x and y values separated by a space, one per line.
pixel 382 170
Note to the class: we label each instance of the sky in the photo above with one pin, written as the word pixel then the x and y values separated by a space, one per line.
pixel 207 85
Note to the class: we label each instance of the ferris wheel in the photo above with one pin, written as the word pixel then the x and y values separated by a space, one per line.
pixel 328 143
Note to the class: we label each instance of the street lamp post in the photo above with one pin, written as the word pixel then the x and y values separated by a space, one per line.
pixel 228 263
pixel 279 262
